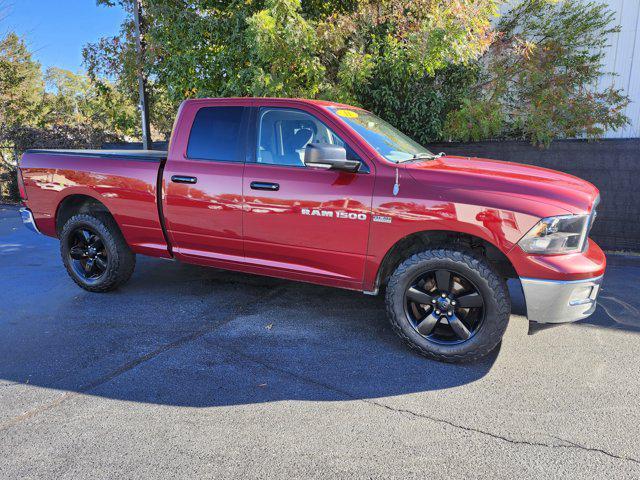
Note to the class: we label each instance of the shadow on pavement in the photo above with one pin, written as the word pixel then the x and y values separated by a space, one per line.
pixel 183 335
pixel 190 336
pixel 619 299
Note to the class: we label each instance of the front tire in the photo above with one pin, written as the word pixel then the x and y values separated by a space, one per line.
pixel 95 253
pixel 448 305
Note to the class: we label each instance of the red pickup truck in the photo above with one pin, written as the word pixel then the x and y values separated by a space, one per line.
pixel 330 194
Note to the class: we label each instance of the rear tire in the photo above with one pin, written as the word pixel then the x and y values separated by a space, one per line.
pixel 95 253
pixel 448 305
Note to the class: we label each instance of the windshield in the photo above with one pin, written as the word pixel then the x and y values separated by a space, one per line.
pixel 387 140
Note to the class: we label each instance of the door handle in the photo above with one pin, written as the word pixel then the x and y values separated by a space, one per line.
pixel 274 187
pixel 183 179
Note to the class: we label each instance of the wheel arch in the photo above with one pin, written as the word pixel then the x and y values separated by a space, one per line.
pixel 427 239
pixel 75 204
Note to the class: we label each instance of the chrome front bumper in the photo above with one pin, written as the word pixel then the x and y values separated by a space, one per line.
pixel 553 301
pixel 27 219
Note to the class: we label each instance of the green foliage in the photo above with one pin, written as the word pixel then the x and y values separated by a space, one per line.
pixel 282 52
pixel 113 61
pixel 437 69
pixel 21 85
pixel 404 59
pixel 410 62
pixel 75 100
pixel 318 9
pixel 58 110
pixel 475 120
pixel 21 90
pixel 417 104
pixel 541 73
pixel 204 48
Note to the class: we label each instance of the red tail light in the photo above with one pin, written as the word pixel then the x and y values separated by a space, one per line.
pixel 21 189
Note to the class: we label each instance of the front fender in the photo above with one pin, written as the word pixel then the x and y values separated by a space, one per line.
pixel 419 208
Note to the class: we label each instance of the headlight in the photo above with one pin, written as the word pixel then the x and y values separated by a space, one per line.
pixel 552 235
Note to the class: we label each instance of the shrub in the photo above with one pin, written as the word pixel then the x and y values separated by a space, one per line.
pixel 475 121
pixel 21 137
pixel 539 76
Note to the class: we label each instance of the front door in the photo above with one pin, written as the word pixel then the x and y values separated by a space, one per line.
pixel 309 222
pixel 203 186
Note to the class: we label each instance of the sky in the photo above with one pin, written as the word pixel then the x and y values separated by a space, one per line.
pixel 56 30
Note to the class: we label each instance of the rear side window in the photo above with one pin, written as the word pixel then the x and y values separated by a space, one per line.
pixel 215 134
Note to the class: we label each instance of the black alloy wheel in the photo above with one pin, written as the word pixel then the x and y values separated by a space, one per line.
pixel 95 253
pixel 88 255
pixel 444 306
pixel 447 304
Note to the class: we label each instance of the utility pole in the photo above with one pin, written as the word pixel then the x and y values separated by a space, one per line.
pixel 142 78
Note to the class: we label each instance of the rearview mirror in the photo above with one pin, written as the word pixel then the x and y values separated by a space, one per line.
pixel 331 157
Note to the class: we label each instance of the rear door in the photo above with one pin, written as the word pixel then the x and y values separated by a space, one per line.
pixel 203 182
pixel 311 222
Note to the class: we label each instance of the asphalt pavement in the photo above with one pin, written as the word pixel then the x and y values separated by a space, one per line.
pixel 189 372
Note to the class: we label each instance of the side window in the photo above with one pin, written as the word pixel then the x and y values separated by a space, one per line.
pixel 284 134
pixel 215 134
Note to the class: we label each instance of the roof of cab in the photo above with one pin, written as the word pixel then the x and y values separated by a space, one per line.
pixel 248 100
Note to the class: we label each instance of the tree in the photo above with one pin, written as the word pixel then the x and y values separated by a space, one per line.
pixel 21 90
pixel 204 48
pixel 398 58
pixel 21 85
pixel 539 77
pixel 437 69
pixel 74 100
pixel 71 112
pixel 282 49
pixel 408 61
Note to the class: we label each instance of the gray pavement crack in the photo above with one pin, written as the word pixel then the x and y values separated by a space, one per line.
pixel 568 444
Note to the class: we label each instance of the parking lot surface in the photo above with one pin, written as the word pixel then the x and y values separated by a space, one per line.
pixel 192 372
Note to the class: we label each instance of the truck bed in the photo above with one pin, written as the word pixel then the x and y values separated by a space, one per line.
pixel 140 155
pixel 126 182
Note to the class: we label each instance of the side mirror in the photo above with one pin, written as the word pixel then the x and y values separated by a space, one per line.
pixel 331 157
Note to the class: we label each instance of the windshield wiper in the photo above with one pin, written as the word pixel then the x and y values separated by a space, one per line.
pixel 425 156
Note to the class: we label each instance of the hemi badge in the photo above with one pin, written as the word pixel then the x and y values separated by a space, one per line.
pixel 381 219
